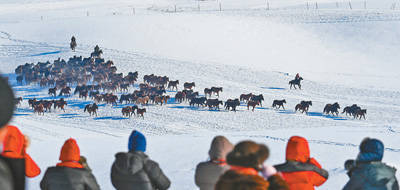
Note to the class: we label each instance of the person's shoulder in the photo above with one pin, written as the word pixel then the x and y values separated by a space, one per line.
pixel 211 165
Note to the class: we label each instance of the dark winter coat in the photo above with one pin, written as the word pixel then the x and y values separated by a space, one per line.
pixel 135 171
pixel 6 179
pixel 17 168
pixel 66 178
pixel 372 176
pixel 69 174
pixel 207 173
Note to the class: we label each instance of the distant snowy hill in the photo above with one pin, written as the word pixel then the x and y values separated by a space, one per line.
pixel 346 56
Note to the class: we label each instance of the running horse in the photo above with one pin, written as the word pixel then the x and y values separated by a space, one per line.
pixel 91 109
pixel 295 82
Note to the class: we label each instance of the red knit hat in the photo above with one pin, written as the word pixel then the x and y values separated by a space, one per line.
pixel 70 151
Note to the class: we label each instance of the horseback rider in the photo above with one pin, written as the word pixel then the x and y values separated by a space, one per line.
pixel 297 76
pixel 73 43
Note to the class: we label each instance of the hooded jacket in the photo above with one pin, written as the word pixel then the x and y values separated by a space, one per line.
pixel 300 171
pixel 69 174
pixel 134 170
pixel 372 176
pixel 369 172
pixel 207 173
pixel 14 154
pixel 245 161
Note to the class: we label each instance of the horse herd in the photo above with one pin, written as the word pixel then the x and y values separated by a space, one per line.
pixel 98 80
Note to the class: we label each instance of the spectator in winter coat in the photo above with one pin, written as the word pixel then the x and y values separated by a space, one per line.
pixel 69 174
pixel 368 172
pixel 134 170
pixel 246 161
pixel 7 180
pixel 300 171
pixel 207 173
pixel 14 153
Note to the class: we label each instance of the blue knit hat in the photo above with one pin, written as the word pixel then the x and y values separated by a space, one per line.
pixel 137 142
pixel 370 150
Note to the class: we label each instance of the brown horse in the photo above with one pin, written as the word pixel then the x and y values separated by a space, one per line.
pixel 252 104
pixel 91 108
pixel 161 99
pixel 60 104
pixel 39 109
pixel 303 106
pixel 127 111
pixel 143 100
pixel 141 112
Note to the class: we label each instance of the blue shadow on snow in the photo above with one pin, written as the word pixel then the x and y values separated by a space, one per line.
pixel 122 106
pixel 110 118
pixel 273 88
pixel 286 112
pixel 195 108
pixel 20 114
pixel 24 110
pixel 319 114
pixel 46 53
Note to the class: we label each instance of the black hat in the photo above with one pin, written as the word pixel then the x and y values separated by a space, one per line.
pixel 6 102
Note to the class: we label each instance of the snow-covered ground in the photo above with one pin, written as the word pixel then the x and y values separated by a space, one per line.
pixel 346 56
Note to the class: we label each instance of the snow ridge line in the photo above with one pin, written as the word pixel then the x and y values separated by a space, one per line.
pixel 8 36
pixel 323 142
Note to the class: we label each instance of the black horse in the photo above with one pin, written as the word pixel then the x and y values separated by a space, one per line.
pixel 232 104
pixel 295 82
pixel 279 103
pixel 53 91
pixel 351 110
pixel 214 103
pixel 91 109
pixel 199 101
pixel 360 113
pixel 332 108
pixel 258 98
pixel 303 106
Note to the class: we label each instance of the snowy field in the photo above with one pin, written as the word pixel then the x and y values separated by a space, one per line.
pixel 346 56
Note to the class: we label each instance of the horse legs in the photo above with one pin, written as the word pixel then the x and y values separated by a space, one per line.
pixel 300 86
pixel 282 107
